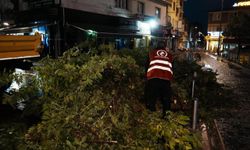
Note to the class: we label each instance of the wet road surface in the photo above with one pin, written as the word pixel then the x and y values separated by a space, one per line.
pixel 235 125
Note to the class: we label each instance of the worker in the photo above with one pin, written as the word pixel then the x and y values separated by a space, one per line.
pixel 159 74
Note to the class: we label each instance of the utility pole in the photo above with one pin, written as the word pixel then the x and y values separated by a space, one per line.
pixel 219 40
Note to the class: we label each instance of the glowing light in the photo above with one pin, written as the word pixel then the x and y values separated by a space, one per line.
pixel 214 34
pixel 144 28
pixel 90 31
pixel 153 23
pixel 242 4
pixel 6 24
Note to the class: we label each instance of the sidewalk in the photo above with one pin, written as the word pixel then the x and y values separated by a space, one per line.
pixel 219 58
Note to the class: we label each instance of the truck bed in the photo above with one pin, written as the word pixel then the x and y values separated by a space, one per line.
pixel 19 47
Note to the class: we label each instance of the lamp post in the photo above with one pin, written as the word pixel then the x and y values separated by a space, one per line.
pixel 195 103
pixel 220 30
pixel 194 33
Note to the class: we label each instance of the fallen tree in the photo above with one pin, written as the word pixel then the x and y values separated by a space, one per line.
pixel 95 101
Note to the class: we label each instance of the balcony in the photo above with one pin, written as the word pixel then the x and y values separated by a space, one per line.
pixel 162 2
pixel 33 4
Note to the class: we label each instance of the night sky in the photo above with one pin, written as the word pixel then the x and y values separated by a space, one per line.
pixel 196 11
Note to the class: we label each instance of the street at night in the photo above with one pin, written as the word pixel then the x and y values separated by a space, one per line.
pixel 235 125
pixel 125 74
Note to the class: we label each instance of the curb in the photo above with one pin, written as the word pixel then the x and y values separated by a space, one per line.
pixel 219 58
pixel 211 137
pixel 219 135
pixel 205 138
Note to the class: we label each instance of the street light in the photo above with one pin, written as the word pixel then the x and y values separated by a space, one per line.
pixel 219 40
pixel 153 23
pixel 6 24
pixel 146 26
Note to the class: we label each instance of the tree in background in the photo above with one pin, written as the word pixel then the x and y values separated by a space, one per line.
pixel 239 29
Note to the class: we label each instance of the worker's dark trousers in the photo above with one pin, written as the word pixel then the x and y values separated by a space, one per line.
pixel 158 89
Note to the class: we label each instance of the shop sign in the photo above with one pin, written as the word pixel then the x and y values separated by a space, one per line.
pixel 214 34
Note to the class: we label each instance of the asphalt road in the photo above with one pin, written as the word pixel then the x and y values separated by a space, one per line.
pixel 234 124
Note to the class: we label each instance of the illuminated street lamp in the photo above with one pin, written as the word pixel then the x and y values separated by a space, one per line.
pixel 145 27
pixel 6 24
pixel 153 23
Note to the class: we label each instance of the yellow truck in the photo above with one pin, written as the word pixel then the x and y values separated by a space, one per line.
pixel 14 49
pixel 20 47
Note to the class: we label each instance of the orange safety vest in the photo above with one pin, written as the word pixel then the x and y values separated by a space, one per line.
pixel 160 65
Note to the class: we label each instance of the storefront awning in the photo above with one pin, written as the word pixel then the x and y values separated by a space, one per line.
pixel 100 34
pixel 27 28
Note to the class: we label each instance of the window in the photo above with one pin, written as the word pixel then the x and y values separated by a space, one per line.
pixel 177 11
pixel 140 8
pixel 218 28
pixel 158 12
pixel 173 6
pixel 168 20
pixel 181 15
pixel 216 17
pixel 121 4
pixel 210 17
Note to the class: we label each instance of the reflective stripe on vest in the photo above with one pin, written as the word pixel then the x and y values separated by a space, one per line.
pixel 161 68
pixel 160 65
pixel 161 62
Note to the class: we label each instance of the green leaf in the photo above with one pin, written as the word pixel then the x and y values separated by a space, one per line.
pixel 69 144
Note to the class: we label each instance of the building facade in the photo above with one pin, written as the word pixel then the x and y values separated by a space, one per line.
pixel 64 23
pixel 218 22
pixel 218 42
pixel 176 20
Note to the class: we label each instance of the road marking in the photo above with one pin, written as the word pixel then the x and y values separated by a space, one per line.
pixel 214 57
